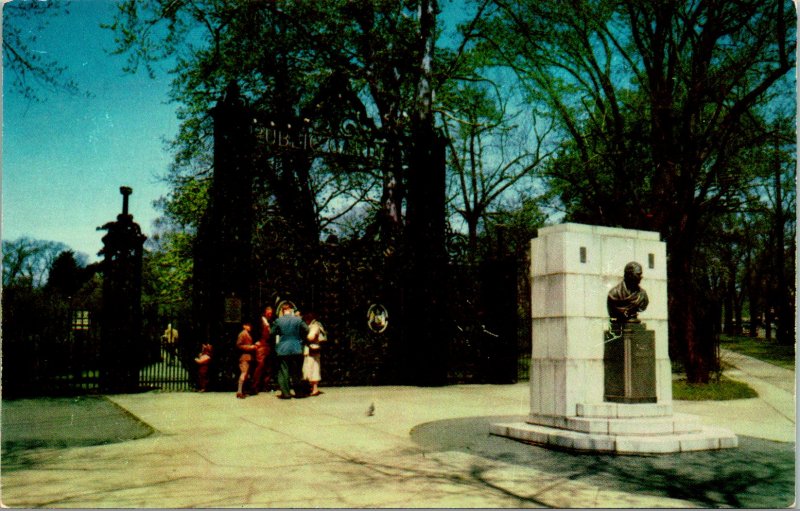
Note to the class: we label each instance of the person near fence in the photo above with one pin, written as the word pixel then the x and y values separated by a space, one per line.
pixel 244 343
pixel 203 362
pixel 169 341
pixel 311 361
pixel 262 374
pixel 292 331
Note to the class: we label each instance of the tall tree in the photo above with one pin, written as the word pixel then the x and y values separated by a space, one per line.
pixel 67 274
pixel 657 99
pixel 300 65
pixel 27 261
pixel 33 68
pixel 357 75
pixel 490 155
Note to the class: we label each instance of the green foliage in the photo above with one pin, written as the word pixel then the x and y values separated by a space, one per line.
pixel 659 107
pixel 648 115
pixel 27 261
pixel 724 389
pixel 299 60
pixel 185 205
pixel 493 154
pixel 514 224
pixel 167 273
pixel 43 284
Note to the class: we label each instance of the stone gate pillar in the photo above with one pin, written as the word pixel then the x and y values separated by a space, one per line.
pixel 121 321
pixel 223 269
pixel 573 267
pixel 424 345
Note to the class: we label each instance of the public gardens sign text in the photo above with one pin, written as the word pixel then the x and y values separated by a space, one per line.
pixel 345 143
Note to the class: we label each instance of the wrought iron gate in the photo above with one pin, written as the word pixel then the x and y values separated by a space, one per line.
pixel 167 363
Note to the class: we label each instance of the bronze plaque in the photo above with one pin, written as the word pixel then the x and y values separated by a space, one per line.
pixel 630 364
pixel 233 310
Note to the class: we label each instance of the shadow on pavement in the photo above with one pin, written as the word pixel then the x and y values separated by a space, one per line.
pixel 59 423
pixel 758 474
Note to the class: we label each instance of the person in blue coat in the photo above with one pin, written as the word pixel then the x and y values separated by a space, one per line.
pixel 290 332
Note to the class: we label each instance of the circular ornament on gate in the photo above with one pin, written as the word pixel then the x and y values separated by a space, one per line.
pixel 377 318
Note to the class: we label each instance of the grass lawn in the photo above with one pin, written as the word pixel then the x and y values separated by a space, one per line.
pixel 760 348
pixel 725 388
pixel 722 390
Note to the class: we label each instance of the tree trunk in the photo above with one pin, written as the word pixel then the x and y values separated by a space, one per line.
pixel 730 299
pixel 768 318
pixel 472 238
pixel 737 312
pixel 785 331
pixel 754 300
pixel 689 343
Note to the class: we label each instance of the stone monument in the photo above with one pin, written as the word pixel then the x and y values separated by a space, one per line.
pixel 601 380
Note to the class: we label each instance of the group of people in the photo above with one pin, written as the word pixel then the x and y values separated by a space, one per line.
pixel 290 344
pixel 297 348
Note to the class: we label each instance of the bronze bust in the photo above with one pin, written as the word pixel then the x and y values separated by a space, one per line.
pixel 627 299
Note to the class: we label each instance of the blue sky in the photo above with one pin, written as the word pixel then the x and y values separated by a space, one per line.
pixel 64 158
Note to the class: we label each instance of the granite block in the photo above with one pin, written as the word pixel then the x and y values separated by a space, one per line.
pixel 617 252
pixel 539 297
pixel 535 386
pixel 595 295
pixel 594 443
pixel 588 425
pixel 657 296
pixel 640 426
pixel 643 250
pixel 663 380
pixel 575 296
pixel 547 405
pixel 728 441
pixel 561 384
pixel 641 410
pixel 538 256
pixel 595 409
pixel 561 439
pixel 641 445
pixel 698 443
pixel 555 253
pixel 584 338
pixel 578 244
pixel 541 335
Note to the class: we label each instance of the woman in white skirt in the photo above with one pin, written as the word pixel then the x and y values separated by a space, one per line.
pixel 311 361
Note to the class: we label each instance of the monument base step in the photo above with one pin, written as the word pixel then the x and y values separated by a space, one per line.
pixel 648 426
pixel 623 410
pixel 704 439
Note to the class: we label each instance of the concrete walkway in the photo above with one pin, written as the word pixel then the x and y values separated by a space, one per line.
pixel 772 415
pixel 422 447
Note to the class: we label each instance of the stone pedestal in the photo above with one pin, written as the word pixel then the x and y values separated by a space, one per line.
pixel 587 395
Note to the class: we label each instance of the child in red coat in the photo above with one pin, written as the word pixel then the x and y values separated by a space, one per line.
pixel 203 360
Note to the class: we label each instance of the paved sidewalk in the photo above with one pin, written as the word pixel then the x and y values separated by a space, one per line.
pixel 422 447
pixel 772 415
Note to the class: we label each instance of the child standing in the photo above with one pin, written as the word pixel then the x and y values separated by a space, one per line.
pixel 244 343
pixel 203 360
